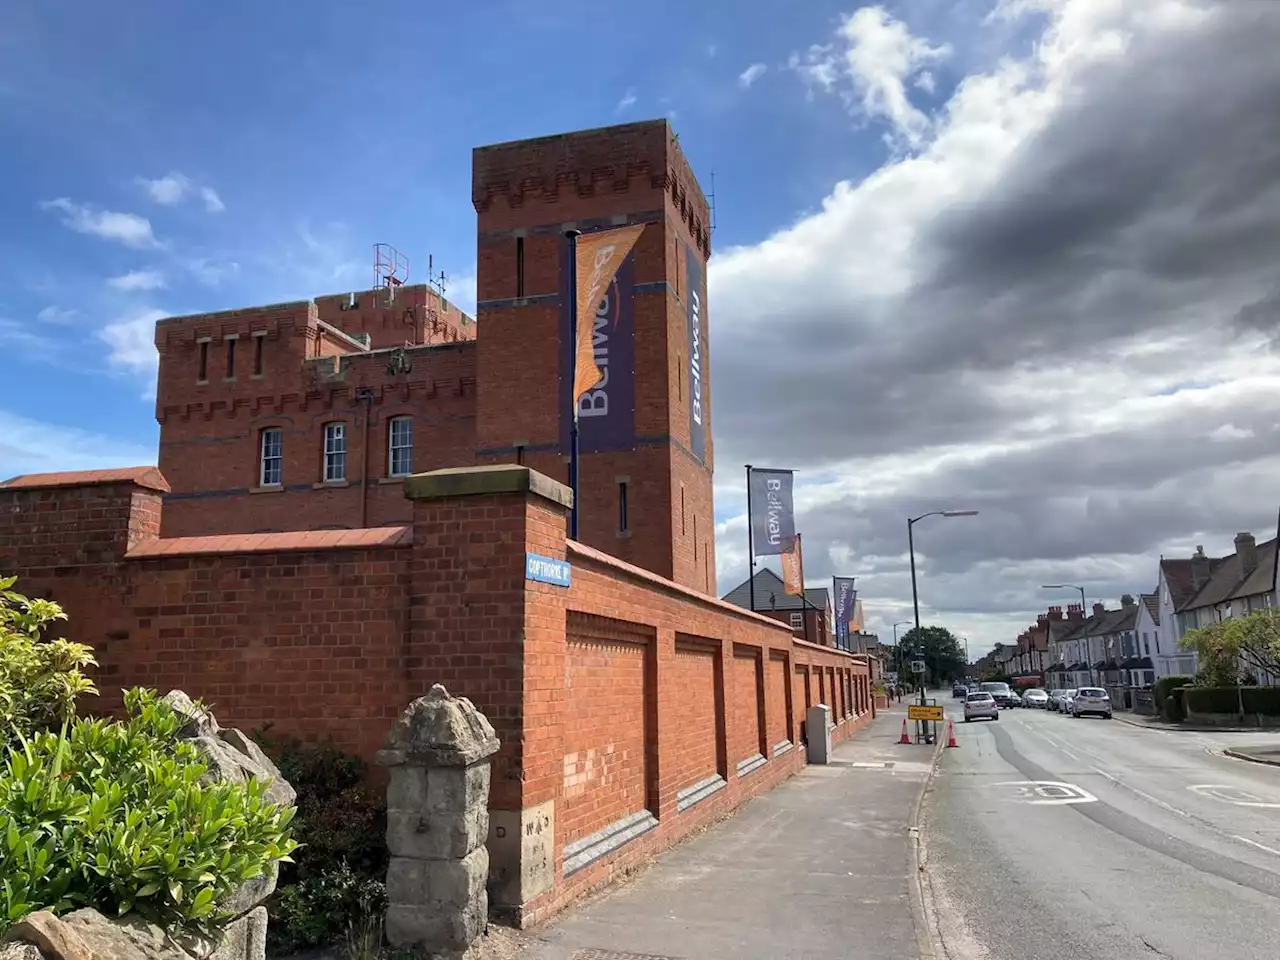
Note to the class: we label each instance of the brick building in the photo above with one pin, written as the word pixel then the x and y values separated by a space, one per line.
pixel 311 414
pixel 348 493
pixel 810 617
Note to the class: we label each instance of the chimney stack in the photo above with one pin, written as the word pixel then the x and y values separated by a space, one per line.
pixel 1075 612
pixel 1247 551
pixel 1199 568
pixel 1055 613
pixel 1126 600
pixel 1099 609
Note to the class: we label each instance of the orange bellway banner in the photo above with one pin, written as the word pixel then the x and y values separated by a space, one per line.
pixel 599 255
pixel 793 569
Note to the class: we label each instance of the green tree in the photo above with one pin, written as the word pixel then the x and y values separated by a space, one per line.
pixel 1231 650
pixel 941 651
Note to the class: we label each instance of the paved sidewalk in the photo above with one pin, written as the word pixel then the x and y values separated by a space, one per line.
pixel 821 867
pixel 1268 753
pixel 1156 723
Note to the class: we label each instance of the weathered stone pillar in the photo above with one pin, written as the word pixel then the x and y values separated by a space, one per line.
pixel 437 821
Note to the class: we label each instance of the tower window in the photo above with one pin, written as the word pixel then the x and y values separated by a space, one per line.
pixel 400 447
pixel 271 457
pixel 623 520
pixel 519 266
pixel 202 370
pixel 257 355
pixel 231 358
pixel 335 452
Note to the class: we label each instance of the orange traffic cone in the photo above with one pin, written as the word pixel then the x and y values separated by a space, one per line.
pixel 906 737
pixel 951 734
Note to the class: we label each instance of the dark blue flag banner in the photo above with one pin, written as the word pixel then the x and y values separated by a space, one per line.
pixel 846 601
pixel 773 520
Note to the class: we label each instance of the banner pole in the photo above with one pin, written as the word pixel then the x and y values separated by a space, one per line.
pixel 572 237
pixel 804 599
pixel 751 558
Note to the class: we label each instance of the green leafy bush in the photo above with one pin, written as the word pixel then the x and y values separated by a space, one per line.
pixel 1164 685
pixel 113 815
pixel 39 679
pixel 339 875
pixel 1263 700
pixel 1174 710
pixel 320 910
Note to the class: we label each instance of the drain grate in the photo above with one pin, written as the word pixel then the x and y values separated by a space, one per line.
pixel 615 955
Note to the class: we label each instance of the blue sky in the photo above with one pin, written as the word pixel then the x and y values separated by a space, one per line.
pixel 169 158
pixel 941 279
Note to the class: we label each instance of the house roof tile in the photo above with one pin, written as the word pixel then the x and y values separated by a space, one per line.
pixel 149 477
pixel 1228 582
pixel 263 542
pixel 769 584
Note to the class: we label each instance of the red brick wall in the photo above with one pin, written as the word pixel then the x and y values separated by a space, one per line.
pixel 606 773
pixel 695 683
pixel 334 642
pixel 745 697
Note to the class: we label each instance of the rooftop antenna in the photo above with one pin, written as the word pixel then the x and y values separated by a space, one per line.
pixel 390 269
pixel 436 280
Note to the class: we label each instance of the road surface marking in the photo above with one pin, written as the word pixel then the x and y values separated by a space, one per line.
pixel 1255 843
pixel 1048 792
pixel 1050 740
pixel 1145 796
pixel 1232 795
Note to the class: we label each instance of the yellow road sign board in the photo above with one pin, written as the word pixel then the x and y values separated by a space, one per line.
pixel 916 711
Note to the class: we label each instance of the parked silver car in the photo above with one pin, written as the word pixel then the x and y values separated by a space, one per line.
pixel 1037 699
pixel 980 705
pixel 1091 700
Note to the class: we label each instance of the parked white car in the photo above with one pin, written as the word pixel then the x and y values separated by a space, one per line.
pixel 1064 701
pixel 980 705
pixel 1036 699
pixel 1091 700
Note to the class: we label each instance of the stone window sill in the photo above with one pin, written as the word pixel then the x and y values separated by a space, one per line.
pixel 331 484
pixel 269 488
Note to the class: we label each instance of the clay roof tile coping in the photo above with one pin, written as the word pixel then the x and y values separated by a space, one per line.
pixel 149 477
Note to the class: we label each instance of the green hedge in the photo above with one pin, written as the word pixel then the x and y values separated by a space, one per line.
pixel 1263 700
pixel 1165 684
pixel 1174 709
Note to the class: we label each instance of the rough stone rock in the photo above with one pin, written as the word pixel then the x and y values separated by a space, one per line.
pixel 20 951
pixel 439 730
pixel 51 936
pixel 244 939
pixel 230 754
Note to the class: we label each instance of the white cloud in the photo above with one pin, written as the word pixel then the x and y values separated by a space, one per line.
pixel 750 75
pixel 869 64
pixel 461 290
pixel 627 102
pixel 127 228
pixel 173 188
pixel 31 446
pixel 59 316
pixel 132 341
pixel 138 280
pixel 1008 318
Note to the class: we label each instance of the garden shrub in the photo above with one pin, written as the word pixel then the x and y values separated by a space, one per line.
pixel 1164 685
pixel 1263 700
pixel 112 814
pixel 338 878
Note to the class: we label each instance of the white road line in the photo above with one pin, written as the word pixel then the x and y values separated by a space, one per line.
pixel 1145 796
pixel 1255 843
pixel 1052 741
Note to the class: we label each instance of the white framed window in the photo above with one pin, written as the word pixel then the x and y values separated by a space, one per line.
pixel 271 457
pixel 335 452
pixel 400 447
pixel 797 621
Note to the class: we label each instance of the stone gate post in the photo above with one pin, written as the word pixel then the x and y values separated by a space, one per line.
pixel 437 821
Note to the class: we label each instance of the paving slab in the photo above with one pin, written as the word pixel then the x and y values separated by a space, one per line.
pixel 820 867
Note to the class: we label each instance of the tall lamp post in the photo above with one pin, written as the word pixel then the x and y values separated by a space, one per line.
pixel 911 549
pixel 1083 609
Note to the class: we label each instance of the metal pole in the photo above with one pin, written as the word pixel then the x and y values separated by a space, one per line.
pixel 915 596
pixel 572 236
pixel 804 600
pixel 751 554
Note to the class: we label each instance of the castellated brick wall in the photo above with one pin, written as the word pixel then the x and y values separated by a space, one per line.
pixel 631 709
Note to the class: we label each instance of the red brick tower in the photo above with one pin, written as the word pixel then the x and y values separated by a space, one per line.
pixel 645 434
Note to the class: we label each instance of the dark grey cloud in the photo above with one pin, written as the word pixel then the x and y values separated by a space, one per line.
pixel 1129 248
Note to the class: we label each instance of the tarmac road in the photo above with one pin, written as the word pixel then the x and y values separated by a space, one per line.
pixel 1050 837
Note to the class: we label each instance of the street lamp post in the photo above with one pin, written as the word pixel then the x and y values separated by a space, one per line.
pixel 911 550
pixel 1083 608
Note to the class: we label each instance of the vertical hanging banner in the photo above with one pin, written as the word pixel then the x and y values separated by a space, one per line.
pixel 793 569
pixel 846 599
pixel 606 411
pixel 599 257
pixel 695 292
pixel 773 520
